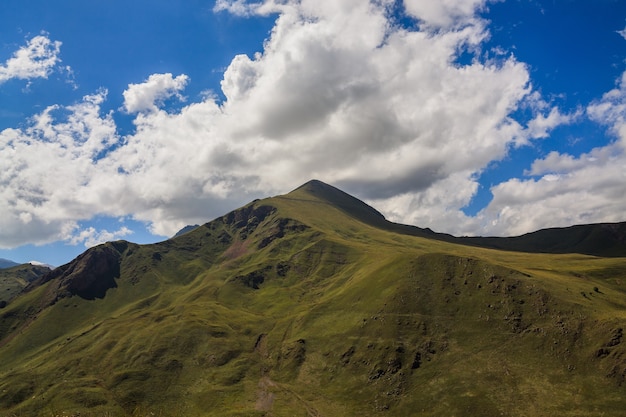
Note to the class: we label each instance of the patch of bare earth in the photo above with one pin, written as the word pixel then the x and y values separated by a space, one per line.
pixel 265 398
pixel 237 249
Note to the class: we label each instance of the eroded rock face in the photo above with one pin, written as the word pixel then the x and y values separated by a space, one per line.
pixel 90 275
pixel 97 272
pixel 246 219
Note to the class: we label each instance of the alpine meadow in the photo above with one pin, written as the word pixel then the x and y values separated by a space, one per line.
pixel 312 304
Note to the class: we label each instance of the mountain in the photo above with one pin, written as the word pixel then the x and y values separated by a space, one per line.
pixel 311 303
pixel 602 239
pixel 15 279
pixel 37 263
pixel 5 263
pixel 186 229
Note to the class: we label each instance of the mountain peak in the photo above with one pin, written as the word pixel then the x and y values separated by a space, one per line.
pixel 313 185
pixel 341 200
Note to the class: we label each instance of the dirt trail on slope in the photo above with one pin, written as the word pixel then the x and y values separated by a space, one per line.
pixel 267 390
pixel 264 397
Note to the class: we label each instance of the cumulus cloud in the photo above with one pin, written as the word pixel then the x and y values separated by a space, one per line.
pixel 611 109
pixel 91 237
pixel 327 84
pixel 37 59
pixel 386 113
pixel 569 189
pixel 445 13
pixel 148 95
pixel 236 7
pixel 592 193
pixel 542 124
pixel 47 169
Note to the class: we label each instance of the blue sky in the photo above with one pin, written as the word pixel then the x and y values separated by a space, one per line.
pixel 129 120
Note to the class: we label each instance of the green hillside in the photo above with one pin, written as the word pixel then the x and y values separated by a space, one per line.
pixel 311 304
pixel 14 279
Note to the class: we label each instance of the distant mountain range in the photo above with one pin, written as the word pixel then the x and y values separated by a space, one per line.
pixel 312 303
pixel 5 263
pixel 13 280
pixel 37 263
pixel 186 229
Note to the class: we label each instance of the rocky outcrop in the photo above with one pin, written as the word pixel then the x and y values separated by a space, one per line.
pixel 89 276
pixel 246 219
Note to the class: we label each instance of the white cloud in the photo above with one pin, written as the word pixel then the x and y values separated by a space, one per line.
pixel 47 171
pixel 541 125
pixel 570 190
pixel 385 113
pixel 236 7
pixel 445 13
pixel 35 60
pixel 91 237
pixel 147 96
pixel 591 193
pixel 438 207
pixel 611 110
pixel 622 33
pixel 381 113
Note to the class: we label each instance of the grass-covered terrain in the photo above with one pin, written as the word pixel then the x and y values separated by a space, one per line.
pixel 308 304
pixel 14 279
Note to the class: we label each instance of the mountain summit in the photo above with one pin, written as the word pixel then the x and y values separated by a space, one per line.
pixel 602 239
pixel 339 199
pixel 311 303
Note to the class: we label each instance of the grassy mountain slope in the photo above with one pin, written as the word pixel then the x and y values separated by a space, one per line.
pixel 308 304
pixel 602 239
pixel 13 280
